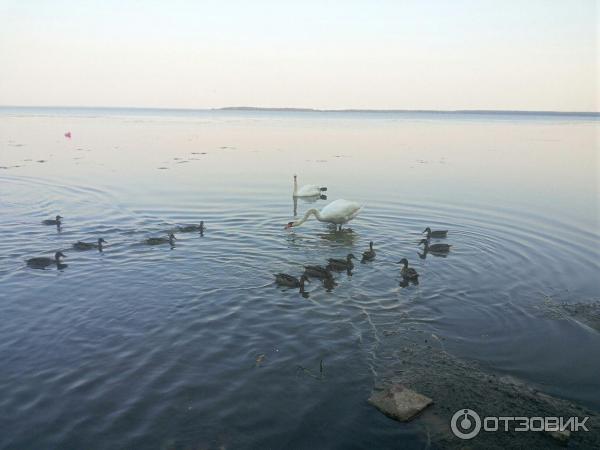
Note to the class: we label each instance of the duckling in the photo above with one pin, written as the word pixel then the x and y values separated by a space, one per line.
pixel 341 264
pixel 435 248
pixel 435 234
pixel 89 245
pixel 43 262
pixel 161 240
pixel 407 272
pixel 56 221
pixel 369 255
pixel 317 272
pixel 191 228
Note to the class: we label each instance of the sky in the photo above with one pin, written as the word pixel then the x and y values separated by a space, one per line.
pixel 401 54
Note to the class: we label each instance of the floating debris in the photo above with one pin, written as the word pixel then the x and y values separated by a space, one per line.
pixel 260 359
pixel 310 373
pixel 399 402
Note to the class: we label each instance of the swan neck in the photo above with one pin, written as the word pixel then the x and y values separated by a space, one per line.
pixel 307 215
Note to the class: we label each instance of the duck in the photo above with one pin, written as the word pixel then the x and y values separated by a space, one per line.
pixel 368 255
pixel 191 228
pixel 317 272
pixel 56 221
pixel 341 264
pixel 42 262
pixel 435 234
pixel 407 272
pixel 89 245
pixel 283 279
pixel 338 212
pixel 435 248
pixel 308 190
pixel 161 240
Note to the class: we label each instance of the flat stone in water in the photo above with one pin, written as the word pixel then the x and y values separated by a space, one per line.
pixel 399 402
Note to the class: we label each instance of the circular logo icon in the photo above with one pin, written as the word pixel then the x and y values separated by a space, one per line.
pixel 465 424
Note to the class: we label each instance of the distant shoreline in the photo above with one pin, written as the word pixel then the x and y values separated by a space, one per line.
pixel 305 110
pixel 426 111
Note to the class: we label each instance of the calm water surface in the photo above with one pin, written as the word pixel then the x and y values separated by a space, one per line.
pixel 195 347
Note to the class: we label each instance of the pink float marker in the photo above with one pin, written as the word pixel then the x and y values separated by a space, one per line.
pixel 68 134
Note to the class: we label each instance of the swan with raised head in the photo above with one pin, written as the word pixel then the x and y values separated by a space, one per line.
pixel 308 190
pixel 337 212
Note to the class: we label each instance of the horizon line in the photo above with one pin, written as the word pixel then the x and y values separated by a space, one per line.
pixel 315 110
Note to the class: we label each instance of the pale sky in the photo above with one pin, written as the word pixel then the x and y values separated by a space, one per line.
pixel 518 55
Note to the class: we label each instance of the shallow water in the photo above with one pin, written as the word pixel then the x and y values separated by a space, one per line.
pixel 194 347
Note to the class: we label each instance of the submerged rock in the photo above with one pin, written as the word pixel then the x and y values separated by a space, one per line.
pixel 561 436
pixel 399 402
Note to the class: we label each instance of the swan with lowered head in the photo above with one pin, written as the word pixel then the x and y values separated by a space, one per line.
pixel 337 212
pixel 308 190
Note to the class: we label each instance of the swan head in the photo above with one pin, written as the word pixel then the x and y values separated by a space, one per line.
pixel 59 255
pixel 350 256
pixel 427 230
pixel 423 241
pixel 289 225
pixel 172 237
pixel 403 261
pixel 58 218
pixel 101 241
pixel 371 245
pixel 304 279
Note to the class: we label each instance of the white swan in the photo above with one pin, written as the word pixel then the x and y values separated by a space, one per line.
pixel 337 212
pixel 309 190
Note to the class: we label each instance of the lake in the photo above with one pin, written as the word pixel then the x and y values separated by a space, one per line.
pixel 194 346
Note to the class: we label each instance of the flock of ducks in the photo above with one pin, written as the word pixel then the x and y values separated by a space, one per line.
pixel 338 213
pixel 44 262
pixel 325 273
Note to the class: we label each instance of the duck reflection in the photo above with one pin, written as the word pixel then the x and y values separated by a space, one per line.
pixel 441 250
pixel 329 284
pixel 405 282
